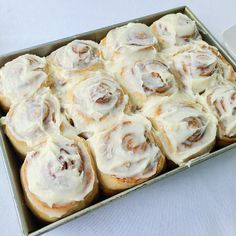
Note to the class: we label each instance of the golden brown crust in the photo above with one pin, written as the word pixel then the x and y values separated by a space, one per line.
pixel 21 147
pixel 5 103
pixel 225 141
pixel 111 185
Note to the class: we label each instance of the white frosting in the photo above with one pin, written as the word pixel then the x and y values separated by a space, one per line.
pixel 95 101
pixel 32 120
pixel 200 66
pixel 73 58
pixel 132 37
pixel 222 102
pixel 175 29
pixel 148 77
pixel 22 77
pixel 67 128
pixel 124 150
pixel 60 172
pixel 184 127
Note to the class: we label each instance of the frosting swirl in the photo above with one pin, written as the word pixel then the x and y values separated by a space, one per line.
pixel 25 74
pixel 185 129
pixel 73 58
pixel 127 150
pixel 96 100
pixel 32 120
pixel 132 37
pixel 222 102
pixel 200 66
pixel 60 172
pixel 175 30
pixel 147 77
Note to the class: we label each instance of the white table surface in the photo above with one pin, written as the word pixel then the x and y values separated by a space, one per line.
pixel 199 201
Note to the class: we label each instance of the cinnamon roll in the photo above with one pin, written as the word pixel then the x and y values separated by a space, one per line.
pixel 31 121
pixel 128 39
pixel 59 178
pixel 175 30
pixel 71 60
pixel 201 66
pixel 147 78
pixel 126 154
pixel 21 78
pixel 221 100
pixel 95 102
pixel 184 127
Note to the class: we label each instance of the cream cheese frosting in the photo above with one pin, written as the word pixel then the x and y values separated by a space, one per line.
pixel 222 103
pixel 33 119
pixel 22 77
pixel 147 77
pixel 175 30
pixel 73 58
pixel 125 150
pixel 60 172
pixel 95 101
pixel 127 39
pixel 183 125
pixel 200 66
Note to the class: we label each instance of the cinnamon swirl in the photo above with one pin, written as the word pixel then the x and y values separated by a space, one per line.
pixel 126 154
pixel 200 66
pixel 184 127
pixel 95 102
pixel 21 78
pixel 221 100
pixel 175 30
pixel 147 78
pixel 59 178
pixel 69 61
pixel 30 122
pixel 129 39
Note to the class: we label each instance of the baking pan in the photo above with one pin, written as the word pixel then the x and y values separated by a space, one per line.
pixel 28 222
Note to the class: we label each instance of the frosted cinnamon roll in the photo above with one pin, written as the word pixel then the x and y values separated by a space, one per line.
pixel 28 123
pixel 221 100
pixel 126 154
pixel 184 127
pixel 21 78
pixel 59 178
pixel 175 30
pixel 147 78
pixel 95 102
pixel 128 39
pixel 201 66
pixel 71 60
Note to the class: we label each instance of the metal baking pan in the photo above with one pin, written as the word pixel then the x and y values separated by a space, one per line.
pixel 28 222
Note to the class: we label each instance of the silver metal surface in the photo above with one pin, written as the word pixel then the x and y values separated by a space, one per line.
pixel 29 223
